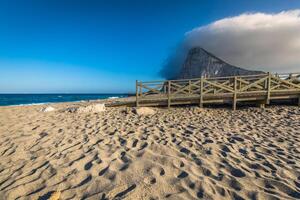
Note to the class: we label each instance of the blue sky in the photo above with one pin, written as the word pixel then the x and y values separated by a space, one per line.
pixel 49 46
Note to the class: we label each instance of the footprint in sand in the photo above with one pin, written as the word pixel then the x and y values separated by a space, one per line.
pixel 124 167
pixel 158 171
pixel 183 174
pixel 237 173
pixel 122 141
pixel 178 163
pixel 88 165
pixel 150 180
pixel 134 143
pixel 119 192
pixel 103 171
pixel 185 150
pixel 84 181
pixel 143 146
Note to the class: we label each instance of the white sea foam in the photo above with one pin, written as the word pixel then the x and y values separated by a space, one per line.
pixel 30 104
pixel 113 97
pixel 43 103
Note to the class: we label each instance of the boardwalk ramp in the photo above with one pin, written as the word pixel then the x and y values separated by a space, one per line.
pixel 261 88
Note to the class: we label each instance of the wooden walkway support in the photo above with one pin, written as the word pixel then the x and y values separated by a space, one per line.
pixel 261 88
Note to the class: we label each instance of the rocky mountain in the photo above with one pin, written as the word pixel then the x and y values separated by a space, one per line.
pixel 201 63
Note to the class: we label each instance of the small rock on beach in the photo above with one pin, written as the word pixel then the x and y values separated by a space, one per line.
pixel 92 108
pixel 48 109
pixel 144 111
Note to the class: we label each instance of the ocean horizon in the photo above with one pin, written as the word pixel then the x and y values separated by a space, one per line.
pixel 36 99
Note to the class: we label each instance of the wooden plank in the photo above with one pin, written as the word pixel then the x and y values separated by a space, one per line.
pixel 137 93
pixel 286 90
pixel 183 90
pixel 218 85
pixel 165 88
pixel 180 88
pixel 195 84
pixel 287 82
pixel 219 78
pixel 214 101
pixel 280 86
pixel 201 93
pixel 154 90
pixel 253 84
pixel 269 88
pixel 275 87
pixel 234 94
pixel 217 91
pixel 247 82
pixel 176 85
pixel 259 98
pixel 285 97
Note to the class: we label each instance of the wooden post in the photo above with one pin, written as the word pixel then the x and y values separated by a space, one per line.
pixel 234 94
pixel 262 105
pixel 201 93
pixel 137 93
pixel 169 94
pixel 190 87
pixel 269 88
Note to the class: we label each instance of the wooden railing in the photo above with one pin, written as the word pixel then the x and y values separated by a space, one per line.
pixel 260 87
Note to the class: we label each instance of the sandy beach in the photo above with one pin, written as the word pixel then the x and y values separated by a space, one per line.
pixel 176 153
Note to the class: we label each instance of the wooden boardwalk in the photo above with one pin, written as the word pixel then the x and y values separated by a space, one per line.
pixel 261 88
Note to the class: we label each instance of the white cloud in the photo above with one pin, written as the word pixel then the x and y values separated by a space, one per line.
pixel 260 41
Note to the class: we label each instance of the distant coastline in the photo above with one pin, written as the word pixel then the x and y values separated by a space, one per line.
pixel 39 99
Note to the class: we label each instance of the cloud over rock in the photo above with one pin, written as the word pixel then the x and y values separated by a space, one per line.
pixel 254 41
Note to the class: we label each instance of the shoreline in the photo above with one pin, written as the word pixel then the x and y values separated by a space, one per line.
pixel 86 100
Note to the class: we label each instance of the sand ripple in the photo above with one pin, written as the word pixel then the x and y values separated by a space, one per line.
pixel 180 153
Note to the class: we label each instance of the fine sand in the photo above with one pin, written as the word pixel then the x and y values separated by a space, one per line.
pixel 180 153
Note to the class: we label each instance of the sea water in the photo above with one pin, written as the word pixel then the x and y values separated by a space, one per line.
pixel 27 99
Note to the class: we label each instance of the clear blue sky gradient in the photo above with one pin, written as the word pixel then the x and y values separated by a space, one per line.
pixel 68 46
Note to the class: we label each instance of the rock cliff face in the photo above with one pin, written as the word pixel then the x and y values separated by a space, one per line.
pixel 201 63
